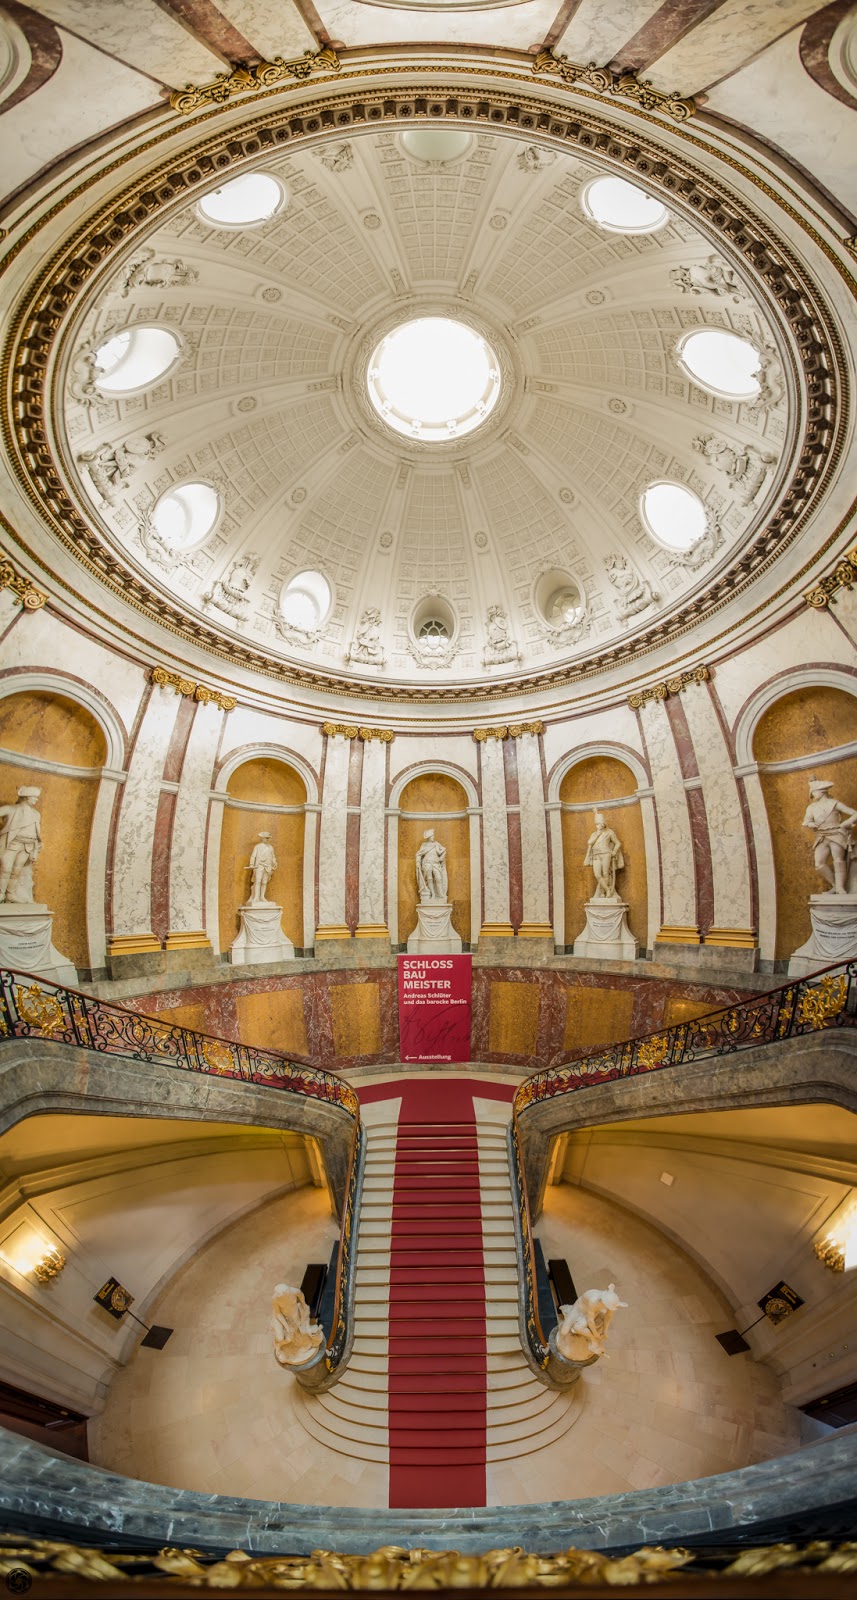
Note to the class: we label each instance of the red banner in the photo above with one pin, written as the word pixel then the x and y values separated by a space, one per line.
pixel 434 1008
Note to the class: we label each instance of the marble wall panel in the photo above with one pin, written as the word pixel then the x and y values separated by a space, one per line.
pixel 495 847
pixel 275 27
pixel 618 726
pixel 147 38
pixel 810 636
pixel 735 32
pixel 679 896
pixel 599 28
pixel 248 728
pixel 728 842
pixel 332 863
pixel 534 842
pixel 187 854
pixel 371 856
pixel 409 751
pixel 41 642
pixel 10 608
pixel 132 852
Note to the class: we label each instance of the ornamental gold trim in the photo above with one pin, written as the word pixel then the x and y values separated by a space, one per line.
pixel 386 735
pixel 674 685
pixel 266 75
pixel 843 576
pixel 30 597
pixel 191 690
pixel 349 730
pixel 512 730
pixel 626 84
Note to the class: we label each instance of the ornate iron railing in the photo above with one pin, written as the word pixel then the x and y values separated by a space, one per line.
pixel 826 999
pixel 33 1008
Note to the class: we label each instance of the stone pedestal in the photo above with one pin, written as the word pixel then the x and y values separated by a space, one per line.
pixel 26 943
pixel 434 934
pixel 606 936
pixel 261 937
pixel 833 937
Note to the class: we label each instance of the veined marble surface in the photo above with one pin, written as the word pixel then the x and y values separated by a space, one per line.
pixel 41 637
pixel 187 855
pixel 598 28
pixel 141 34
pixel 331 862
pixel 809 636
pixel 132 857
pixel 458 751
pixel 496 848
pixel 372 798
pixel 733 34
pixel 679 887
pixel 534 839
pixel 730 866
pixel 275 27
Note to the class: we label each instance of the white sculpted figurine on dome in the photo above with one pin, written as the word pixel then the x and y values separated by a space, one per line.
pixel 831 822
pixel 296 1337
pixel 604 856
pixel 500 646
pixel 263 863
pixel 111 465
pixel 635 593
pixel 144 272
pixel 746 467
pixel 584 1325
pixel 20 843
pixel 711 277
pixel 366 644
pixel 432 877
pixel 231 592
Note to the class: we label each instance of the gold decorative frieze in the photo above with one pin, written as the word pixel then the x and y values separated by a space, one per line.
pixel 193 691
pixel 195 97
pixel 30 597
pixel 385 735
pixel 348 730
pixel 518 729
pixel 626 84
pixel 843 576
pixel 514 730
pixel 482 735
pixel 662 691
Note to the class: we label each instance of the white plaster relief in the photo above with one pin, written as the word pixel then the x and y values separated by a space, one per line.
pixel 679 889
pixel 187 855
pixel 332 864
pixel 371 901
pixel 599 28
pixel 534 845
pixel 730 866
pixel 132 856
pixel 496 865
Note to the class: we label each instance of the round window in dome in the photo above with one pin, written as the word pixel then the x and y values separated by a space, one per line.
pixel 305 601
pixel 559 599
pixel 134 359
pixel 723 363
pixel 185 515
pixel 436 144
pixel 433 379
pixel 673 515
pixel 622 207
pixel 243 202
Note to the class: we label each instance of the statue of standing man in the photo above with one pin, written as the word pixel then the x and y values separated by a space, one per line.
pixel 604 856
pixel 831 822
pixel 263 864
pixel 20 843
pixel 432 877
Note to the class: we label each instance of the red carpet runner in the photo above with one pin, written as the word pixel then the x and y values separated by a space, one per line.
pixel 438 1336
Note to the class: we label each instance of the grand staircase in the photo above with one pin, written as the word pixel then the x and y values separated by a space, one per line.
pixel 437 1386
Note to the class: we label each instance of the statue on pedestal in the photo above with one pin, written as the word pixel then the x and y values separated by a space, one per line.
pixel 263 864
pixel 604 856
pixel 20 843
pixel 831 822
pixel 584 1326
pixel 432 877
pixel 434 933
pixel 606 936
pixel 296 1337
pixel 261 938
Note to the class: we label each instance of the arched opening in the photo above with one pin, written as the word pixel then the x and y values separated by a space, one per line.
pixel 597 782
pixel 433 799
pixel 263 782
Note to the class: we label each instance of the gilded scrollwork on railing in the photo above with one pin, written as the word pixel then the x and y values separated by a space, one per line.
pixel 265 75
pixel 338 1338
pixel 538 1345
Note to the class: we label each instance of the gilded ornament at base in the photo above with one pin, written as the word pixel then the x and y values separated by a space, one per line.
pixel 674 685
pixel 39 1010
pixel 30 597
pixel 195 97
pixel 843 576
pixel 626 84
pixel 192 691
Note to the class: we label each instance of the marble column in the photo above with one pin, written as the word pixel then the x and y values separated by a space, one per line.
pixel 496 923
pixel 187 850
pixel 132 937
pixel 679 921
pixel 731 935
pixel 371 919
pixel 332 864
pixel 536 922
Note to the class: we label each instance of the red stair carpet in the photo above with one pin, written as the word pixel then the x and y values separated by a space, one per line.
pixel 438 1335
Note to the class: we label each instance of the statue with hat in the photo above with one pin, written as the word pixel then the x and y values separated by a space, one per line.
pixel 263 864
pixel 831 822
pixel 20 843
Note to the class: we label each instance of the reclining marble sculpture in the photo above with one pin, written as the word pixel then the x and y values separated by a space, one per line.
pixel 584 1326
pixel 296 1337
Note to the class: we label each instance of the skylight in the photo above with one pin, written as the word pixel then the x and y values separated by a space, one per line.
pixel 673 515
pixel 134 359
pixel 433 379
pixel 722 362
pixel 622 207
pixel 185 515
pixel 436 144
pixel 244 201
pixel 305 601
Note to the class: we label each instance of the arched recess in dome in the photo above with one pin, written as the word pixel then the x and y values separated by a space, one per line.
pixel 274 783
pixel 432 799
pixel 807 732
pixel 597 781
pixel 62 750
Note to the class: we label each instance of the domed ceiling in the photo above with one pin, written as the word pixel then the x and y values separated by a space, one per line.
pixel 517 548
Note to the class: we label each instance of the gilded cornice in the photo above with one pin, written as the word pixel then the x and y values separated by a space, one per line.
pixel 347 730
pixel 843 576
pixel 512 730
pixel 194 691
pixel 54 296
pixel 30 597
pixel 626 84
pixel 265 75
pixel 673 685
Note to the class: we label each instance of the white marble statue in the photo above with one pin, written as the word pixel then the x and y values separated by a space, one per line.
pixel 231 593
pixel 110 466
pixel 148 272
pixel 366 644
pixel 20 843
pixel 604 856
pixel 745 466
pixel 713 276
pixel 432 877
pixel 296 1337
pixel 500 647
pixel 635 593
pixel 831 822
pixel 262 864
pixel 586 1323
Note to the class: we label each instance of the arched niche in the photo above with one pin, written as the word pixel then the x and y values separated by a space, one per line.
pixel 51 728
pixel 271 783
pixel 434 800
pixel 804 723
pixel 597 782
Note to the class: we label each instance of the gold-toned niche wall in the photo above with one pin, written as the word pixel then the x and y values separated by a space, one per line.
pixel 594 783
pixel 265 781
pixel 801 723
pixel 434 794
pixel 37 723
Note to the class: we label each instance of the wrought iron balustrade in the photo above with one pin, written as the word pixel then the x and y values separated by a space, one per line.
pixel 826 999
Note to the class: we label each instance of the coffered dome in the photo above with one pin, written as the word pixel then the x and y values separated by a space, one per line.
pixel 505 539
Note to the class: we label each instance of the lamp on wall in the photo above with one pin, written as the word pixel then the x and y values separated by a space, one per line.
pixel 838 1250
pixel 50 1265
pixel 28 1252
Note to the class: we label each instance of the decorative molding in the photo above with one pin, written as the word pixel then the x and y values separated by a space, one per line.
pixel 626 84
pixel 662 691
pixel 843 576
pixel 195 97
pixel 518 729
pixel 347 730
pixel 194 691
pixel 514 730
pixel 30 597
pixel 385 735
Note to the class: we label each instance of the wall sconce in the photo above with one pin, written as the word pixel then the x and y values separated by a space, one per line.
pixel 839 1250
pixel 27 1251
pixel 50 1266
